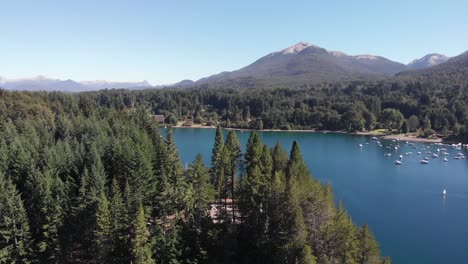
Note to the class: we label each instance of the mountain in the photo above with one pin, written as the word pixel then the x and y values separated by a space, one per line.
pixel 453 71
pixel 41 83
pixel 428 61
pixel 98 85
pixel 305 61
pixel 184 83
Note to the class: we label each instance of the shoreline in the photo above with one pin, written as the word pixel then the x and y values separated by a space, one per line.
pixel 400 137
pixel 413 139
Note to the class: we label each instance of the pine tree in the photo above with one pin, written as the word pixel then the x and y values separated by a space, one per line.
pixel 15 239
pixel 280 158
pixel 254 192
pixel 297 169
pixel 216 156
pixel 306 256
pixel 294 224
pixel 203 190
pixel 253 153
pixel 141 246
pixel 141 176
pixel 341 238
pixel 173 170
pixel 369 252
pixel 162 205
pixel 235 155
pixel 47 216
pixel 120 226
pixel 103 235
pixel 3 155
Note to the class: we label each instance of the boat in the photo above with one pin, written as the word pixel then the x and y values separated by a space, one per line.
pixel 374 138
pixel 419 152
pixel 401 156
pixel 424 162
pixel 445 159
pixel 397 162
pixel 360 145
pixel 388 154
pixel 435 155
pixel 426 158
pixel 444 192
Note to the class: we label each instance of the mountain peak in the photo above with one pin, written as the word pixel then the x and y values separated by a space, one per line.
pixel 300 46
pixel 427 61
pixel 366 57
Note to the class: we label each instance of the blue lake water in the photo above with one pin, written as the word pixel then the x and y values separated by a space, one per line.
pixel 403 205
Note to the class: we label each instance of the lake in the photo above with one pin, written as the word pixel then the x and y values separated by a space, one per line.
pixel 403 205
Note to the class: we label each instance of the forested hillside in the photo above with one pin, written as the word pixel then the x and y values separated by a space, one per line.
pixel 88 178
pixel 421 107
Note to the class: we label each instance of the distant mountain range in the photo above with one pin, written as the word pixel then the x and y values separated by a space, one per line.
pixel 304 62
pixel 41 83
pixel 299 64
pixel 452 71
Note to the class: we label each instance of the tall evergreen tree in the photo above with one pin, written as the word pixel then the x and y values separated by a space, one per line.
pixel 103 235
pixel 141 246
pixel 120 226
pixel 202 189
pixel 216 156
pixel 280 158
pixel 235 158
pixel 369 252
pixel 15 239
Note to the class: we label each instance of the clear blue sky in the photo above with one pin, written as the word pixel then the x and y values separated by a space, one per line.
pixel 167 41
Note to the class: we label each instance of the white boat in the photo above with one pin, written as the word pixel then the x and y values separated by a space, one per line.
pixel 401 156
pixel 397 162
pixel 435 155
pixel 426 158
pixel 444 192
pixel 388 154
pixel 360 145
pixel 419 152
pixel 374 138
pixel 445 159
pixel 424 162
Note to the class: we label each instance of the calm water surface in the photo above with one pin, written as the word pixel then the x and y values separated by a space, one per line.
pixel 403 205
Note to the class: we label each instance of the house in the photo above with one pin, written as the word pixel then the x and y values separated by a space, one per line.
pixel 158 118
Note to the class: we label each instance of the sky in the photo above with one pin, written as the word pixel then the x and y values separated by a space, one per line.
pixel 168 41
